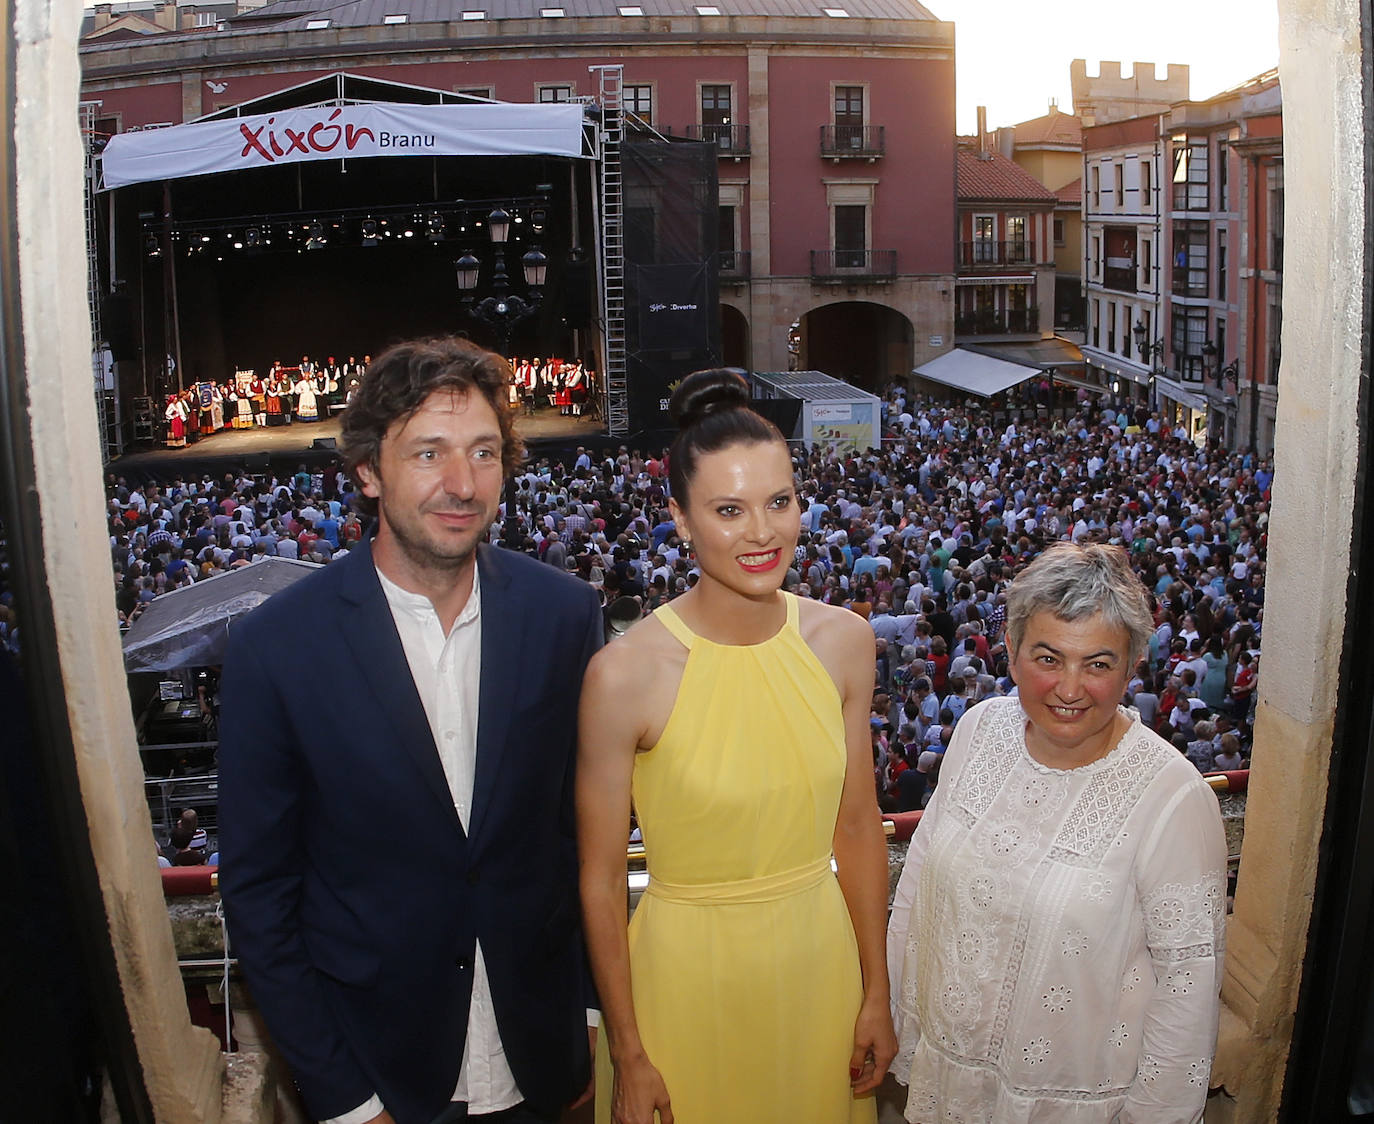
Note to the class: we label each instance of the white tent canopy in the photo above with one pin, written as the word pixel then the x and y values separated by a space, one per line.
pixel 334 132
pixel 978 374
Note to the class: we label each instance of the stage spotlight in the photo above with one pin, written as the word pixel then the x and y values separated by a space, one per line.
pixel 252 237
pixel 538 218
pixel 369 232
pixel 317 237
pixel 435 227
pixel 152 246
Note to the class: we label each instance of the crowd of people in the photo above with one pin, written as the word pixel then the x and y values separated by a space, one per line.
pixel 1070 850
pixel 307 392
pixel 312 390
pixel 920 537
pixel 568 386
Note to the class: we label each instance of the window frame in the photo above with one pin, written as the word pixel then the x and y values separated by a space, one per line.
pixel 652 88
pixel 541 87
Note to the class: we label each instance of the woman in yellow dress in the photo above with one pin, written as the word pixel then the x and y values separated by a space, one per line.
pixel 751 986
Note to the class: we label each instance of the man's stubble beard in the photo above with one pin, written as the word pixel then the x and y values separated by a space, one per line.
pixel 420 552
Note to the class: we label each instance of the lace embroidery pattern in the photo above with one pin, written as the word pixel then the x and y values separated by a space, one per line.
pixel 923 1093
pixel 982 779
pixel 1095 819
pixel 1149 1069
pixel 1182 920
pixel 1016 955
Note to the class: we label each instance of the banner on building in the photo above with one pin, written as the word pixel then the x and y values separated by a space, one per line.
pixel 674 307
pixel 350 132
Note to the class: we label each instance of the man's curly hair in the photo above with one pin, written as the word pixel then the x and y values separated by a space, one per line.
pixel 400 381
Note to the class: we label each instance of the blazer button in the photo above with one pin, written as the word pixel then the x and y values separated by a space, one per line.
pixel 473 877
pixel 462 963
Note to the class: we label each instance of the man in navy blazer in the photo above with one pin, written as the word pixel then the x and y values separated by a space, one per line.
pixel 398 855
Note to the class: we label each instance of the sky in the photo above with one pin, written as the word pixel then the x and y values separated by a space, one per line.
pixel 1013 55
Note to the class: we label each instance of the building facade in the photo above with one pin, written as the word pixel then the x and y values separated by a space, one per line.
pixel 1123 232
pixel 1050 148
pixel 1005 285
pixel 833 126
pixel 1225 206
pixel 1183 260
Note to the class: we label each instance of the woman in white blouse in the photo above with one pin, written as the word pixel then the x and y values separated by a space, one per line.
pixel 1056 938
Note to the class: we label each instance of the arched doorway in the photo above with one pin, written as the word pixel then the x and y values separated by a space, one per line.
pixel 864 344
pixel 734 337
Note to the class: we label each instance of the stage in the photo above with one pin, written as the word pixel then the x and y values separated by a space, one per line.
pixel 284 448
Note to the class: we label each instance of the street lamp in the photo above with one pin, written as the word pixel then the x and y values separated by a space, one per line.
pixel 1152 353
pixel 1210 354
pixel 501 311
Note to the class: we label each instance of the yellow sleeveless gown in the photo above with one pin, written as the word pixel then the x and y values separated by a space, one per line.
pixel 743 962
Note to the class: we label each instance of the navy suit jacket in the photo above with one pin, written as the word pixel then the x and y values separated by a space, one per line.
pixel 353 895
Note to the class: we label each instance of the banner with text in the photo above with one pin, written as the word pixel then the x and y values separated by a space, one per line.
pixel 342 132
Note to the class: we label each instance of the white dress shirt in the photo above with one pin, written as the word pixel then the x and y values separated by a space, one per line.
pixel 447 675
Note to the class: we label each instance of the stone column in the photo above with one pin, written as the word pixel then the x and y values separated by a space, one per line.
pixel 182 1065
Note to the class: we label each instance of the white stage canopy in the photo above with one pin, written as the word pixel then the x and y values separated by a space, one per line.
pixel 978 374
pixel 338 132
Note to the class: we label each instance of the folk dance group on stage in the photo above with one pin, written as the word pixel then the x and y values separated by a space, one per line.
pixel 552 382
pixel 306 392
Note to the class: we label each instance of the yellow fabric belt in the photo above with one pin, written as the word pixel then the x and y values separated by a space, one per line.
pixel 769 888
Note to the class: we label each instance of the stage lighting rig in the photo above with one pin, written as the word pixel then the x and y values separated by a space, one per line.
pixel 369 232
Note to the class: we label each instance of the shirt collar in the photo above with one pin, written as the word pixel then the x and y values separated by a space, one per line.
pixel 418 605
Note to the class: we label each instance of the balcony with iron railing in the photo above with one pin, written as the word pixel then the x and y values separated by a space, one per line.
pixel 991 322
pixel 980 253
pixel 853 265
pixel 853 141
pixel 734 265
pixel 730 140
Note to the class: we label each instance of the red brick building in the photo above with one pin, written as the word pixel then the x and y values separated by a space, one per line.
pixel 1005 285
pixel 834 125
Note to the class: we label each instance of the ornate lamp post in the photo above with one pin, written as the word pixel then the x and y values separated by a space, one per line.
pixel 1210 354
pixel 502 310
pixel 1152 353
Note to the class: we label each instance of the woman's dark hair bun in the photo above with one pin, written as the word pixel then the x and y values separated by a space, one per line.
pixel 703 393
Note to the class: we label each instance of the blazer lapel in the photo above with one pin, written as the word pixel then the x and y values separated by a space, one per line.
pixel 503 624
pixel 371 635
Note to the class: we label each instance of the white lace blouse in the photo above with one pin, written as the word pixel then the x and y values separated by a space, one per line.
pixel 1056 938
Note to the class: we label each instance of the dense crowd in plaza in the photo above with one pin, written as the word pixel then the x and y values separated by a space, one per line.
pixel 920 537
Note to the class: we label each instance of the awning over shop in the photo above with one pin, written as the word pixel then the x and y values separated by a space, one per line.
pixel 1173 391
pixel 1061 379
pixel 978 374
pixel 335 132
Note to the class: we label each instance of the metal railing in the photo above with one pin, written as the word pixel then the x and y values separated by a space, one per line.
pixel 734 265
pixel 994 323
pixel 853 265
pixel 168 796
pixel 996 253
pixel 730 140
pixel 869 141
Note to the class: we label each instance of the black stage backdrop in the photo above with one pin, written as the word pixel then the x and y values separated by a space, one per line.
pixel 672 305
pixel 241 309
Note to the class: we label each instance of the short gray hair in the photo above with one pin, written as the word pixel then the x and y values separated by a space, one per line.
pixel 1074 582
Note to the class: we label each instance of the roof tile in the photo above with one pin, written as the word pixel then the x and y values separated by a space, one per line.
pixel 996 177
